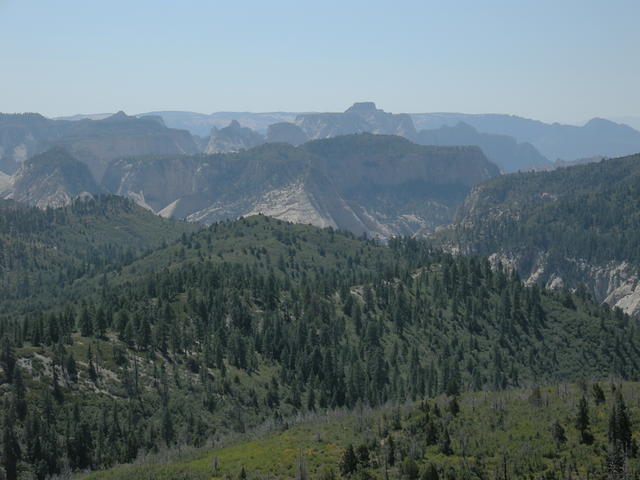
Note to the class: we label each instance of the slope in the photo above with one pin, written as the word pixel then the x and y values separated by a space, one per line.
pixel 573 225
pixel 521 434
pixel 42 251
pixel 393 187
pixel 51 179
pixel 258 320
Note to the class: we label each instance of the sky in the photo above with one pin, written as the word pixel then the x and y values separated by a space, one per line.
pixel 560 60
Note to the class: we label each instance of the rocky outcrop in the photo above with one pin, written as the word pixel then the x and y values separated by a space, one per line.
pixel 393 187
pixel 383 122
pixel 6 182
pixel 52 179
pixel 286 132
pixel 232 138
pixel 616 284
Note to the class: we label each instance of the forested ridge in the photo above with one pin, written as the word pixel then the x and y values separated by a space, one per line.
pixel 258 320
pixel 41 251
pixel 588 211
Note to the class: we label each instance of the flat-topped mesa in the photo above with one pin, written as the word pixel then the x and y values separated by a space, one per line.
pixel 504 150
pixel 360 117
pixel 362 108
pixel 286 132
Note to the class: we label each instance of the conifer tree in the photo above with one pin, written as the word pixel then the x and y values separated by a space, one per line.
pixel 11 452
pixel 349 461
pixel 582 422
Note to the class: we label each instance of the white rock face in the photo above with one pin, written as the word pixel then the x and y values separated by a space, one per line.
pixel 5 183
pixel 52 179
pixel 138 197
pixel 292 204
pixel 20 153
pixel 617 283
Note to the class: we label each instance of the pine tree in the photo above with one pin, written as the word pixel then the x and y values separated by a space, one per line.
pixel 71 368
pixel 430 473
pixel 100 322
pixel 7 357
pixel 558 434
pixel 311 400
pixel 391 452
pixel 20 393
pixel 349 461
pixel 93 372
pixel 55 384
pixel 11 453
pixel 243 474
pixel 445 443
pixel 582 422
pixel 409 469
pixel 363 455
pixel 598 394
pixel 619 432
pixel 85 323
pixel 168 432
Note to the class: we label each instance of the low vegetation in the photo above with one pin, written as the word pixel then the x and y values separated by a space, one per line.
pixel 561 431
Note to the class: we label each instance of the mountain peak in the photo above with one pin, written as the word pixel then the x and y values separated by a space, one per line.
pixel 598 121
pixel 53 179
pixel 362 107
pixel 232 138
pixel 120 115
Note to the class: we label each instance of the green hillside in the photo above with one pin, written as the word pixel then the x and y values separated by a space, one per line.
pixel 553 432
pixel 587 211
pixel 258 321
pixel 42 251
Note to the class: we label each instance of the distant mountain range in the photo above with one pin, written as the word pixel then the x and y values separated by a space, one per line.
pixel 632 120
pixel 598 137
pixel 201 124
pixel 94 142
pixel 364 169
pixel 513 143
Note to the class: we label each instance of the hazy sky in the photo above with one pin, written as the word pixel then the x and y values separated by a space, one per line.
pixel 560 60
